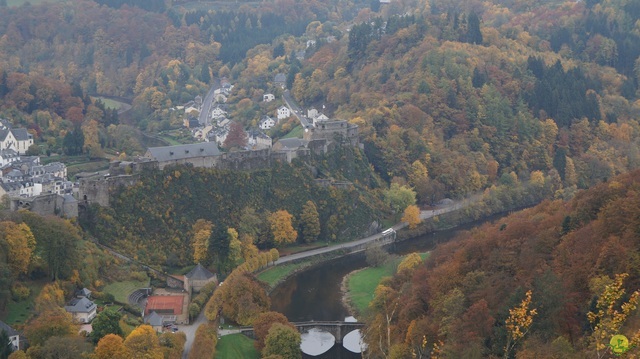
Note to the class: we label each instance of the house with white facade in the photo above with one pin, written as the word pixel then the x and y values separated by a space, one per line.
pixel 283 112
pixel 14 336
pixel 268 97
pixel 82 309
pixel 218 113
pixel 17 139
pixel 266 123
pixel 320 118
pixel 8 156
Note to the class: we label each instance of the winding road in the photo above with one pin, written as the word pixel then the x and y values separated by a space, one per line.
pixel 207 102
pixel 454 206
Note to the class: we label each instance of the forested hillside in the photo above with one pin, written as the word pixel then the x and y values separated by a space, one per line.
pixel 156 220
pixel 565 253
pixel 473 92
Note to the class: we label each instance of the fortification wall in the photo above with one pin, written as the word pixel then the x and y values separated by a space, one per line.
pixel 49 204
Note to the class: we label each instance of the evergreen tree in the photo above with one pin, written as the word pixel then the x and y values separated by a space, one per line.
pixel 205 76
pixel 107 322
pixel 278 50
pixel 474 35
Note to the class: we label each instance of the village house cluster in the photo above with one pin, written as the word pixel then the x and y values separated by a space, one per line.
pixel 24 176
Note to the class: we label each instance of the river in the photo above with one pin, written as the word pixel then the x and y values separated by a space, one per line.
pixel 314 294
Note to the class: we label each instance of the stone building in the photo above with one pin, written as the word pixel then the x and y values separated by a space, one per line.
pixel 197 278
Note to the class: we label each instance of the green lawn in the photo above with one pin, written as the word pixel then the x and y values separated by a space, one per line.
pixel 121 290
pixel 362 284
pixel 274 275
pixel 295 132
pixel 109 103
pixel 19 312
pixel 236 346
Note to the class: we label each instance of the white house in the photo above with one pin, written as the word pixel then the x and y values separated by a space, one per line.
pixel 283 112
pixel 82 309
pixel 266 123
pixel 312 113
pixel 8 156
pixel 320 118
pixel 14 336
pixel 17 139
pixel 268 97
pixel 220 98
pixel 218 112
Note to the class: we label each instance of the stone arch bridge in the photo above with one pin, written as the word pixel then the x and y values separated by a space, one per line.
pixel 336 328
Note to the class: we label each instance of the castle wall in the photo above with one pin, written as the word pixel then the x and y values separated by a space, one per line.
pixel 50 204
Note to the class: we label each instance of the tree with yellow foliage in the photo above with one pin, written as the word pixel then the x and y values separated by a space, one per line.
pixel 143 343
pixel 111 346
pixel 282 227
pixel 610 316
pixel 21 244
pixel 409 262
pixel 235 247
pixel 518 323
pixel 200 242
pixel 412 216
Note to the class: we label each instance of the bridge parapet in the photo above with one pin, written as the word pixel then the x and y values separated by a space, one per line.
pixel 336 328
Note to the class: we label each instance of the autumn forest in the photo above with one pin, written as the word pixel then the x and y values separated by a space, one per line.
pixel 510 104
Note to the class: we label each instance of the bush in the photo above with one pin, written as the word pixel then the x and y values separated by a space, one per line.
pixel 376 256
pixel 19 292
pixel 138 276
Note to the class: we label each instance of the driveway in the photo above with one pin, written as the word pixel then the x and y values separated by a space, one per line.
pixel 190 331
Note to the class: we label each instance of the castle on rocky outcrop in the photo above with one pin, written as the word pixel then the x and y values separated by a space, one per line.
pixel 97 187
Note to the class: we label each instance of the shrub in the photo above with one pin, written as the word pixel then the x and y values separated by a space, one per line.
pixel 19 292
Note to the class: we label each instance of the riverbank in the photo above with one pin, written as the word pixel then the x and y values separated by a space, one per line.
pixel 358 287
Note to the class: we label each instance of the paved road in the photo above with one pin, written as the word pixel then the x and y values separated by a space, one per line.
pixel 423 215
pixel 207 102
pixel 295 109
pixel 190 331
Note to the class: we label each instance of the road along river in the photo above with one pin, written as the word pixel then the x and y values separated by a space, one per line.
pixel 314 294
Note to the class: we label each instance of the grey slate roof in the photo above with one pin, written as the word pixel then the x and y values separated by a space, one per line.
pixel 280 78
pixel 84 292
pixel 292 143
pixel 81 305
pixel 154 319
pixel 21 134
pixel 170 153
pixel 10 331
pixel 199 273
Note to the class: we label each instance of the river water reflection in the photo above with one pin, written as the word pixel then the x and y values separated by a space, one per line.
pixel 314 294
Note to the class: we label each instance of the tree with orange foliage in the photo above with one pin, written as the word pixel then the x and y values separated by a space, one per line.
pixel 143 343
pixel 282 227
pixel 111 346
pixel 262 325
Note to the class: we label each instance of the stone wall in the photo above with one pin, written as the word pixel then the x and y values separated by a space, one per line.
pixel 98 188
pixel 50 204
